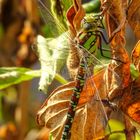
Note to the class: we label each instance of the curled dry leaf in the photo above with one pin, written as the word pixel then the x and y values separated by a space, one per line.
pixel 136 56
pixel 115 20
pixel 130 102
pixel 85 125
pixel 134 104
pixel 133 17
pixel 74 17
pixel 115 15
pixel 128 89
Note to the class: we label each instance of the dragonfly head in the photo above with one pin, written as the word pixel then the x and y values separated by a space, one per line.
pixel 85 25
pixel 92 22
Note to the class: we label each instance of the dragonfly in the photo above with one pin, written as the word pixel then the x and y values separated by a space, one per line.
pixel 88 42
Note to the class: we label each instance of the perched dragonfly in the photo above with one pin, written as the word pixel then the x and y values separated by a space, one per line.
pixel 88 41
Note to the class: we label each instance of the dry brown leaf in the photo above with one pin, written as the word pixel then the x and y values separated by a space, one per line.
pixel 115 15
pixel 133 109
pixel 74 16
pixel 85 125
pixel 136 55
pixel 130 102
pixel 115 19
pixel 134 17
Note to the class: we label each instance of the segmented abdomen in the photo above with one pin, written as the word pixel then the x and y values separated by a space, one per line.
pixel 80 80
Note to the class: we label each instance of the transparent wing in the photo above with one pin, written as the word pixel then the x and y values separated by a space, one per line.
pixel 99 116
pixel 56 27
pixel 101 91
pixel 47 17
pixel 56 23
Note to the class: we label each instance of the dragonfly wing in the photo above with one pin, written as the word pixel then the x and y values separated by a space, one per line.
pixel 111 76
pixel 50 14
pixel 96 110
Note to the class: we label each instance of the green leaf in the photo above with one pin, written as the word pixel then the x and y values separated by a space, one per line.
pixel 48 32
pixel 52 54
pixel 13 75
pixel 115 126
pixel 92 6
pixel 134 72
pixel 59 9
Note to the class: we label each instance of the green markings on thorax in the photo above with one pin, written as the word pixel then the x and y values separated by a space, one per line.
pixel 89 42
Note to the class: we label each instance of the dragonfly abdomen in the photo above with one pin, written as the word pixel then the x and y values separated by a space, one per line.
pixel 80 79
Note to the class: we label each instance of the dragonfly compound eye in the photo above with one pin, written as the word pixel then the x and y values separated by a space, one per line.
pixel 87 26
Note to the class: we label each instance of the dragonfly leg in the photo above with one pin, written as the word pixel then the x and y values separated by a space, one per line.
pixel 110 39
pixel 100 35
pixel 107 50
pixel 102 49
pixel 118 28
pixel 110 104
